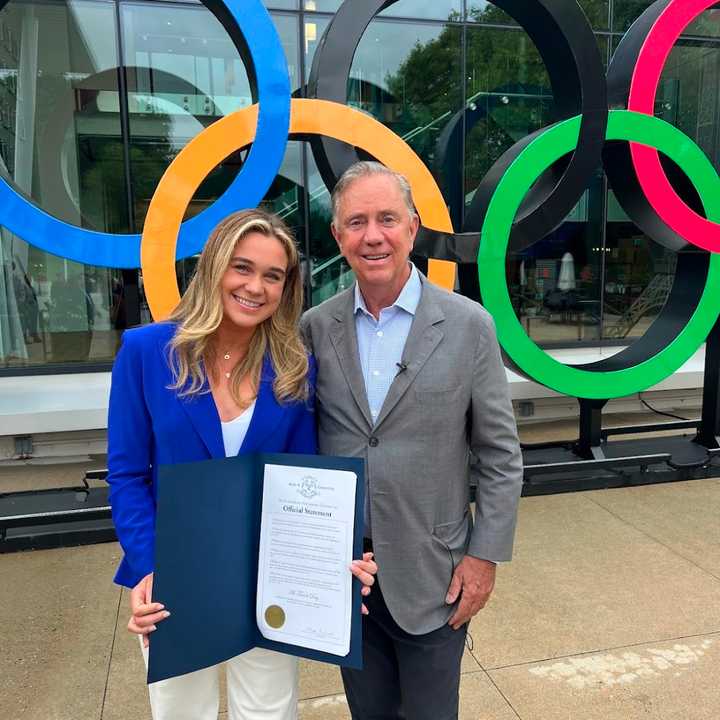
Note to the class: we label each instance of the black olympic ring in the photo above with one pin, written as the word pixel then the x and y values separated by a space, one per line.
pixel 566 43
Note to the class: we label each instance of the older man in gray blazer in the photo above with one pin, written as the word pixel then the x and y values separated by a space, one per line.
pixel 410 378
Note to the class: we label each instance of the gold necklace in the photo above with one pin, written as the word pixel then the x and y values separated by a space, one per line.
pixel 226 356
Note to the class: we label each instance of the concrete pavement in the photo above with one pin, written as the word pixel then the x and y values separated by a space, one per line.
pixel 609 611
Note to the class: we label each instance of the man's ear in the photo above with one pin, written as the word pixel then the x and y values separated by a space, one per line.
pixel 414 227
pixel 336 235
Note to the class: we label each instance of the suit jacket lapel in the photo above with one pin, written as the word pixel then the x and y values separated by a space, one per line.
pixel 205 419
pixel 267 413
pixel 200 409
pixel 203 414
pixel 425 335
pixel 344 340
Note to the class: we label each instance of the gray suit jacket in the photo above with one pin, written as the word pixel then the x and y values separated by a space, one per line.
pixel 451 401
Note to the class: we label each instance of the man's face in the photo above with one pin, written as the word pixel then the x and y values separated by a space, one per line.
pixel 375 232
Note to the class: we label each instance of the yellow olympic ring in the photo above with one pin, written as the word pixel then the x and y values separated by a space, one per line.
pixel 308 117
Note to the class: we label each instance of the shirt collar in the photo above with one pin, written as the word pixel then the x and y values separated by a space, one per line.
pixel 407 300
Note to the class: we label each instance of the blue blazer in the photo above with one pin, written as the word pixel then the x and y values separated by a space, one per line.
pixel 149 425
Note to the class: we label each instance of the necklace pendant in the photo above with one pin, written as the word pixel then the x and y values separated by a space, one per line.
pixel 227 375
pixel 227 356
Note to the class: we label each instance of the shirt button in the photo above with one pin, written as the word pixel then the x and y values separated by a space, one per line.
pixel 379 333
pixel 373 441
pixel 376 373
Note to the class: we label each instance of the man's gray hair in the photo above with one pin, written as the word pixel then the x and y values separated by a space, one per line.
pixel 367 168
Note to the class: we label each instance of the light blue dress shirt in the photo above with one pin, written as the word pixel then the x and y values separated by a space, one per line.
pixel 380 344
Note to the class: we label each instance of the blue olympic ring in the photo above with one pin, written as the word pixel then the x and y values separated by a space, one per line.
pixel 48 233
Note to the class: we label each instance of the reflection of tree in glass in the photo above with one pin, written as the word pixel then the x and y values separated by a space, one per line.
pixel 151 155
pixel 323 244
pixel 427 91
pixel 485 12
pixel 626 12
pixel 102 183
pixel 505 74
pixel 688 94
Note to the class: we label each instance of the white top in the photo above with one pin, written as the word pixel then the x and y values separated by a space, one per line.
pixel 234 431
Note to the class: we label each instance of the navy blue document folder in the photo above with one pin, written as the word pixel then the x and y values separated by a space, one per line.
pixel 206 562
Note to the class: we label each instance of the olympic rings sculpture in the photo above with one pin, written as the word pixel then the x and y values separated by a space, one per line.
pixel 253 31
pixel 527 193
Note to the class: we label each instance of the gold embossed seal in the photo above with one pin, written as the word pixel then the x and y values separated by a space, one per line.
pixel 275 616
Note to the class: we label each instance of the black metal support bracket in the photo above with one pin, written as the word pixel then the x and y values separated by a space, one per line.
pixel 56 517
pixel 589 444
pixel 708 433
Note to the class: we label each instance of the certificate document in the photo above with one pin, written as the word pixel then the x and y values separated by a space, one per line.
pixel 306 541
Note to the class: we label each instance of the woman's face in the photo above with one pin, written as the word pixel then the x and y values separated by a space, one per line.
pixel 253 283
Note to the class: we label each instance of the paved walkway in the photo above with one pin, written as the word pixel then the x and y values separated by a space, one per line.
pixel 610 611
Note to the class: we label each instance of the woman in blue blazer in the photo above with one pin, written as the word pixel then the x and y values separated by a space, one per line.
pixel 227 374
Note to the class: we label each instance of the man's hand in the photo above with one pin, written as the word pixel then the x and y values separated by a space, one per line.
pixel 472 581
pixel 365 570
pixel 145 613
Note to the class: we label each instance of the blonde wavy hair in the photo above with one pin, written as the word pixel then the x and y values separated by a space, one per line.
pixel 200 312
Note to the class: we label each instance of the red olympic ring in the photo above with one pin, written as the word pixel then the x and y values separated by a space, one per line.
pixel 663 35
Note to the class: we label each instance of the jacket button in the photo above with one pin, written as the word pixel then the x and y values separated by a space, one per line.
pixel 373 442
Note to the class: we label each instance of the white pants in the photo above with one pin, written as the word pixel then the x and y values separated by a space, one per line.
pixel 260 684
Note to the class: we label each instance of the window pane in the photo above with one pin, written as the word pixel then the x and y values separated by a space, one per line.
pixel 555 283
pixel 626 12
pixel 639 272
pixel 315 26
pixel 638 276
pixel 281 4
pixel 67 152
pixel 438 10
pixel 486 12
pixel 509 97
pixel 706 25
pixel 56 311
pixel 321 5
pixel 389 80
pixel 597 12
pixel 688 93
pixel 329 273
pixel 185 73
pixel 286 198
pixel 60 143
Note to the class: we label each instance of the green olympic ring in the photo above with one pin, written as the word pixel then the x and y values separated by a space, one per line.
pixel 548 147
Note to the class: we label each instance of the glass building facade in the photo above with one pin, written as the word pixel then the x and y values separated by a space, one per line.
pixel 98 96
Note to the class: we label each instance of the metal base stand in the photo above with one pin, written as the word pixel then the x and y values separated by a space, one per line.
pixel 74 516
pixel 61 517
pixel 595 461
